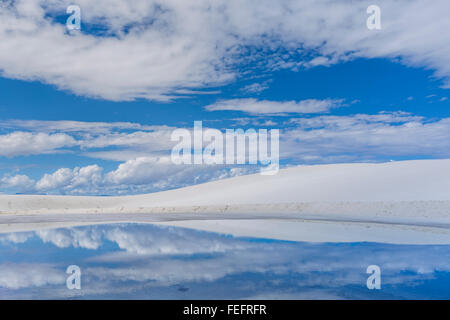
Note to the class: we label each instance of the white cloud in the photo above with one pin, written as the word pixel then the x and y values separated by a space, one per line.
pixel 365 137
pixel 139 175
pixel 146 165
pixel 150 258
pixel 42 137
pixel 341 267
pixel 89 238
pixel 15 237
pixel 20 181
pixel 85 179
pixel 16 276
pixel 256 87
pixel 132 258
pixel 167 241
pixel 27 143
pixel 156 140
pixel 60 178
pixel 256 107
pixel 143 169
pixel 151 61
pixel 160 173
pixel 73 126
pixel 153 49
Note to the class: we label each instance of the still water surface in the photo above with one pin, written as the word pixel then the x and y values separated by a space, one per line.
pixel 144 261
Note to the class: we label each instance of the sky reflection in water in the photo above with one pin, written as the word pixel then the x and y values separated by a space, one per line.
pixel 140 261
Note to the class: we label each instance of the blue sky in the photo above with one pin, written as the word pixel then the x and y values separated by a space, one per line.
pixel 91 111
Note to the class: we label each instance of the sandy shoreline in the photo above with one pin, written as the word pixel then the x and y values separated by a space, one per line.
pixel 288 223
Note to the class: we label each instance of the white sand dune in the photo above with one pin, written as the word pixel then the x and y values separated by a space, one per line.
pixel 338 202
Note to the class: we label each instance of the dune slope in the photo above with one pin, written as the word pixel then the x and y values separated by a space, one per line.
pixel 409 193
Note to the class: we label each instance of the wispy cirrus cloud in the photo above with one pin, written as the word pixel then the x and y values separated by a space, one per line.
pixel 366 137
pixel 266 107
pixel 257 87
pixel 47 137
pixel 28 143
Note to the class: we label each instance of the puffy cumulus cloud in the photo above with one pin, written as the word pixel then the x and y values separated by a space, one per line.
pixel 167 241
pixel 143 169
pixel 143 149
pixel 20 182
pixel 142 174
pixel 156 49
pixel 89 238
pixel 17 276
pixel 84 179
pixel 28 143
pixel 57 179
pixel 265 107
pixel 16 237
pixel 158 173
pixel 146 165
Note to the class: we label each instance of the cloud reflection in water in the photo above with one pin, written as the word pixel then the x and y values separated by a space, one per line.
pixel 142 261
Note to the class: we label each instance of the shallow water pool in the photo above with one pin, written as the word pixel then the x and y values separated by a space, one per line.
pixel 145 261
